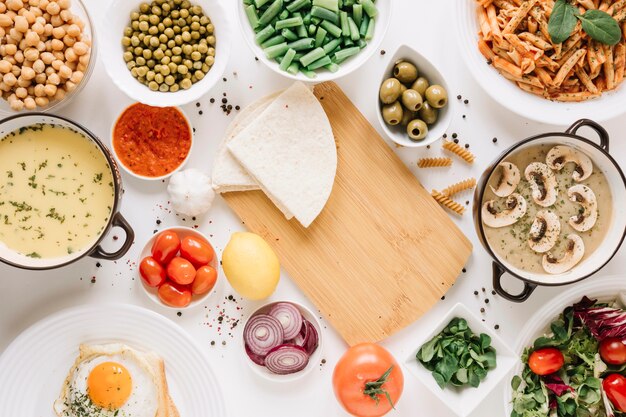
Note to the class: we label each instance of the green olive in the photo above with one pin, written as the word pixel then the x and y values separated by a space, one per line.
pixel 428 113
pixel 436 96
pixel 420 85
pixel 390 90
pixel 407 116
pixel 412 100
pixel 417 129
pixel 392 113
pixel 405 72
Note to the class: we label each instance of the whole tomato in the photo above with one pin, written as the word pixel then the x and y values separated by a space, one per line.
pixel 362 377
pixel 615 387
pixel 174 295
pixel 613 351
pixel 152 272
pixel 165 247
pixel 546 361
pixel 181 271
pixel 206 276
pixel 196 251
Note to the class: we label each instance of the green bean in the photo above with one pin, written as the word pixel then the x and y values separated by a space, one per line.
pixel 320 36
pixel 283 15
pixel 298 4
pixel 287 59
pixel 264 34
pixel 302 44
pixel 309 74
pixel 332 5
pixel 260 3
pixel 357 14
pixel 344 54
pixel 276 50
pixel 369 33
pixel 253 18
pixel 369 7
pixel 288 23
pixel 289 35
pixel 364 23
pixel 273 41
pixel 271 12
pixel 332 29
pixel 312 56
pixel 331 46
pixel 322 62
pixel 293 68
pixel 354 30
pixel 325 14
pixel 345 27
pixel 332 67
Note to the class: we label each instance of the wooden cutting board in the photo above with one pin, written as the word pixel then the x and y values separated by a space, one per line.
pixel 381 253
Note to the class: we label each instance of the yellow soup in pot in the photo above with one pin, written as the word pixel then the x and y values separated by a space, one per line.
pixel 56 191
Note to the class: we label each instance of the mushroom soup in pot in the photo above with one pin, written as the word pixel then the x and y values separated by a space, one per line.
pixel 546 208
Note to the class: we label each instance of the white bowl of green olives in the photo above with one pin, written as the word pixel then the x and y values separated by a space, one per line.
pixel 165 52
pixel 413 105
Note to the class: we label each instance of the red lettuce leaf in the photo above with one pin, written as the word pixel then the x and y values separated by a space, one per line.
pixel 555 384
pixel 602 322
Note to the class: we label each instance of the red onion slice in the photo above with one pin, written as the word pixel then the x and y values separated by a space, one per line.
pixel 286 359
pixel 258 359
pixel 307 338
pixel 263 333
pixel 289 317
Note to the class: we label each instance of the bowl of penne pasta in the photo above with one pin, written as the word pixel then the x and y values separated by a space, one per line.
pixel 531 74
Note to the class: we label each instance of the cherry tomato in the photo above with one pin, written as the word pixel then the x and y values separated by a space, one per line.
pixel 174 295
pixel 363 363
pixel 152 273
pixel 615 387
pixel 165 247
pixel 613 351
pixel 546 361
pixel 181 271
pixel 206 276
pixel 196 251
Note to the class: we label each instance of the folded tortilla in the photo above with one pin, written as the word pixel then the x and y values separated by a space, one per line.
pixel 289 150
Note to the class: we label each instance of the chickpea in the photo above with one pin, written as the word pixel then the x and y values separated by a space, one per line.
pixel 56 64
pixel 47 29
pixel 53 8
pixel 37 28
pixel 66 15
pixel 29 103
pixel 31 54
pixel 16 104
pixel 10 49
pixel 30 16
pixel 19 56
pixel 54 79
pixel 9 79
pixel 5 20
pixel 23 83
pixel 47 58
pixel 65 72
pixel 32 39
pixel 50 90
pixel 4 87
pixel 34 3
pixel 64 4
pixel 77 77
pixel 5 66
pixel 81 48
pixel 21 92
pixel 56 20
pixel 57 45
pixel 69 41
pixel 28 73
pixel 39 90
pixel 84 59
pixel 39 66
pixel 21 24
pixel 58 32
pixel 70 86
pixel 41 78
pixel 15 5
pixel 3 7
pixel 60 94
pixel 70 55
pixel 42 101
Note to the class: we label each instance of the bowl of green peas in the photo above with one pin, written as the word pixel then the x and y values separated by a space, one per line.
pixel 165 52
pixel 314 40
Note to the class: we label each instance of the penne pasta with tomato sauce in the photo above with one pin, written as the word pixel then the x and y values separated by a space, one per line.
pixel 514 39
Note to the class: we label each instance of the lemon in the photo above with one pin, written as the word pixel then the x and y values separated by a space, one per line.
pixel 251 266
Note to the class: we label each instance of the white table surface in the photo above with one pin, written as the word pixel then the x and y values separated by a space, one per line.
pixel 26 297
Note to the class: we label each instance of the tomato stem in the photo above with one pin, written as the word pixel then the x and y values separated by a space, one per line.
pixel 374 389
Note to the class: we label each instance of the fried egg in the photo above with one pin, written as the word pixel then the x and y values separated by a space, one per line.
pixel 115 380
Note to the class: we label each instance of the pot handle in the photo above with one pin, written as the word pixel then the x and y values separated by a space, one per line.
pixel 118 221
pixel 498 271
pixel 602 133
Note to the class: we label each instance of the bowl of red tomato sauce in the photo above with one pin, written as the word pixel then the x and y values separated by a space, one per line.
pixel 178 268
pixel 151 143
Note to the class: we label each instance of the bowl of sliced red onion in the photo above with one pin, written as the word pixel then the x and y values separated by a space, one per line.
pixel 282 341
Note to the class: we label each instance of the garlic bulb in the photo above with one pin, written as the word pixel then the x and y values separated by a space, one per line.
pixel 191 192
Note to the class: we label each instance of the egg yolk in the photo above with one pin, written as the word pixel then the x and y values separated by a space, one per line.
pixel 109 385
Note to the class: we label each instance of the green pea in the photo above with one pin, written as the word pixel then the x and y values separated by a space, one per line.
pixel 176 29
pixel 156 10
pixel 154 42
pixel 153 30
pixel 165 70
pixel 211 40
pixel 210 28
pixel 185 4
pixel 174 88
pixel 159 78
pixel 165 60
pixel 153 85
pixel 164 88
pixel 187 49
pixel 209 60
pixel 163 38
pixel 170 80
pixel 133 72
pixel 173 67
pixel 203 49
pixel 181 69
pixel 185 84
pixel 167 22
pixel 125 41
pixel 144 26
pixel 166 7
pixel 171 44
pixel 211 52
pixel 158 54
pixel 181 22
pixel 130 65
pixel 178 39
pixel 169 32
pixel 199 75
pixel 147 53
pixel 142 71
pixel 138 50
pixel 154 19
pixel 197 65
pixel 177 59
pixel 184 13
pixel 128 31
pixel 140 60
pixel 144 7
pixel 205 68
pixel 150 63
pixel 196 56
pixel 175 14
pixel 195 26
pixel 195 35
pixel 141 36
pixel 204 20
pixel 150 75
pixel 134 25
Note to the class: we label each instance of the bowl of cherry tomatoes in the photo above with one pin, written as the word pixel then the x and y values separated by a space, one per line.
pixel 178 268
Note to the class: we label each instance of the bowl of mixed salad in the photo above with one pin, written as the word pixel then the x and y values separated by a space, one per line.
pixel 573 356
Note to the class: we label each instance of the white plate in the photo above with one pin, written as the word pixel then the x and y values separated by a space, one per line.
pixel 35 365
pixel 605 288
pixel 463 401
pixel 508 95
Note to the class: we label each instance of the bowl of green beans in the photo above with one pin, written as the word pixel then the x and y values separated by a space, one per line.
pixel 165 52
pixel 314 40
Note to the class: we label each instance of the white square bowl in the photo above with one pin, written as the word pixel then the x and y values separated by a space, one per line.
pixel 463 401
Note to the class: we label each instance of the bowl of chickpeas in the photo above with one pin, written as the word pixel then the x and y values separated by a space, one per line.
pixel 414 109
pixel 165 52
pixel 47 53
